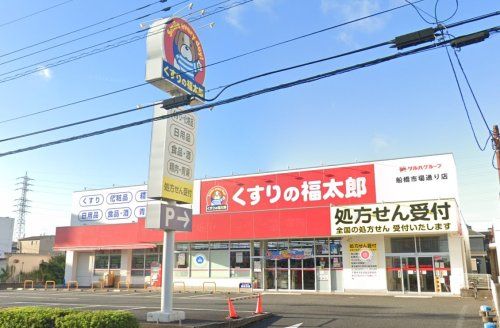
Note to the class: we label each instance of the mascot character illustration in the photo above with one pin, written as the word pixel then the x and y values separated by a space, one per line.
pixel 186 55
pixel 217 198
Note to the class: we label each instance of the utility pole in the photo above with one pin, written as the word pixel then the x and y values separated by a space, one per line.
pixel 22 205
pixel 496 144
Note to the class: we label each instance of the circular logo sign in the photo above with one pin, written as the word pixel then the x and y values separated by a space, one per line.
pixel 199 259
pixel 182 49
pixel 365 254
pixel 216 199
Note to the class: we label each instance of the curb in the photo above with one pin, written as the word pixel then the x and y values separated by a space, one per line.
pixel 233 323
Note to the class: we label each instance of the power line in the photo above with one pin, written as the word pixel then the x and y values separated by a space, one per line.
pixel 224 88
pixel 244 96
pixel 80 29
pixel 472 92
pixel 94 51
pixel 439 28
pixel 76 123
pixel 74 102
pixel 434 17
pixel 82 37
pixel 482 148
pixel 446 33
pixel 225 60
pixel 34 13
pixel 101 43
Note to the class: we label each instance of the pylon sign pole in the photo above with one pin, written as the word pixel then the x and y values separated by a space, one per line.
pixel 168 272
pixel 175 64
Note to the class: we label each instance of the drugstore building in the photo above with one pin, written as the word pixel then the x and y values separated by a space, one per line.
pixel 388 226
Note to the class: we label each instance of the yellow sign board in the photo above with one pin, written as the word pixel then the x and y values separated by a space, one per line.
pixel 177 189
pixel 355 247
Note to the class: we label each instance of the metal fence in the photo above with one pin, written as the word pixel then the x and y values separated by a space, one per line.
pixel 482 281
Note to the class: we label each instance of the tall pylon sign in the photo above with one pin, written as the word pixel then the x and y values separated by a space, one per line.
pixel 175 64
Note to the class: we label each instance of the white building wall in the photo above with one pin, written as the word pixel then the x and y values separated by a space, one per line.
pixel 70 269
pixel 6 231
pixel 126 265
pixel 224 283
pixel 458 263
pixel 366 284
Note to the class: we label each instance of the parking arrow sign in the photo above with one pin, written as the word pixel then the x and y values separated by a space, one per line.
pixel 161 215
pixel 186 218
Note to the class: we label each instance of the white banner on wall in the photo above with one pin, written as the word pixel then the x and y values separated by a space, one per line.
pixel 109 206
pixel 416 217
pixel 407 179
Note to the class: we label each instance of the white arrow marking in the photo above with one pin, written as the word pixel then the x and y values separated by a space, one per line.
pixel 184 219
pixel 295 326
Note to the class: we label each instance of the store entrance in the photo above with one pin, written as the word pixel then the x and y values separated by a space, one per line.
pixel 410 274
pixel 290 274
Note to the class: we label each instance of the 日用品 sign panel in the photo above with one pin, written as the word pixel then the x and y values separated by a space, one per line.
pixel 171 166
pixel 428 216
pixel 109 206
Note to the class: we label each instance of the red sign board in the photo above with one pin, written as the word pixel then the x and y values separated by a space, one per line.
pixel 290 190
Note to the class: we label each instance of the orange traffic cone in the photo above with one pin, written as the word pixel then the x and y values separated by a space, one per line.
pixel 258 309
pixel 232 310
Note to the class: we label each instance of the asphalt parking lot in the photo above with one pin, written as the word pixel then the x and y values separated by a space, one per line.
pixel 290 310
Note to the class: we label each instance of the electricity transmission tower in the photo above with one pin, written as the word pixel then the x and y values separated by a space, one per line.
pixel 22 204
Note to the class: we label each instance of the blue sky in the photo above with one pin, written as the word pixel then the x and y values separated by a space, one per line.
pixel 407 107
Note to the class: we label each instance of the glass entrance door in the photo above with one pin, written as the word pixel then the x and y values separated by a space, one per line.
pixel 402 273
pixel 282 274
pixel 302 274
pixel 394 273
pixel 410 281
pixel 270 274
pixel 426 274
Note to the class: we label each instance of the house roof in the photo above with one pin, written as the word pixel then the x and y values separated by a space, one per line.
pixel 37 237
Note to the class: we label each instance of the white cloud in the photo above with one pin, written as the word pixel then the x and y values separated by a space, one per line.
pixel 45 72
pixel 353 9
pixel 265 5
pixel 379 144
pixel 233 17
pixel 347 39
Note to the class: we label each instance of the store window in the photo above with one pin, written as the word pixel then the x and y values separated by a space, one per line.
pixel 219 260
pixel 240 259
pixel 402 245
pixel 435 244
pixel 107 260
pixel 181 264
pixel 137 263
pixel 142 259
pixel 430 244
pixel 199 259
pixel 335 254
pixel 257 248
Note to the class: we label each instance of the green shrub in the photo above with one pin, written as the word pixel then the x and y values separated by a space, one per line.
pixel 42 317
pixel 31 317
pixel 98 319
